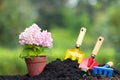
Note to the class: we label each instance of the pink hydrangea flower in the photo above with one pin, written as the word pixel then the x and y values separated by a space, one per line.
pixel 46 37
pixel 34 36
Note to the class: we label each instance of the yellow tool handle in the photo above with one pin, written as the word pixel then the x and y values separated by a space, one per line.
pixel 97 46
pixel 80 37
pixel 110 63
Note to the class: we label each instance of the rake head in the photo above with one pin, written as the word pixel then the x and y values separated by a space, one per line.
pixel 105 70
pixel 74 54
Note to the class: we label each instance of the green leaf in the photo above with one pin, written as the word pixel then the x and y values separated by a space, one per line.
pixel 32 53
pixel 24 53
pixel 37 47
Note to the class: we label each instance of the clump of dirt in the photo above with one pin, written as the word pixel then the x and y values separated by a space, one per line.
pixel 63 70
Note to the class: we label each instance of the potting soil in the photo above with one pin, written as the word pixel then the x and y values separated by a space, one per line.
pixel 63 70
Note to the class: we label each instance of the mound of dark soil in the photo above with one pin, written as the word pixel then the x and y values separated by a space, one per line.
pixel 63 70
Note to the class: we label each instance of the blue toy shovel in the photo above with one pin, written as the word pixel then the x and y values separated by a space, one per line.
pixel 105 70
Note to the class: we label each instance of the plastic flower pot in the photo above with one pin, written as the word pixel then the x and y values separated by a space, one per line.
pixel 36 65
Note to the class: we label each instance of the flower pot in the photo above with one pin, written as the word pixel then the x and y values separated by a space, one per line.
pixel 36 65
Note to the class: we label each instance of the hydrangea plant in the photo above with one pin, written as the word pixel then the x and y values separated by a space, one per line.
pixel 34 41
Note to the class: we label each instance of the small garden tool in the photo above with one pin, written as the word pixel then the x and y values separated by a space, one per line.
pixel 105 70
pixel 75 53
pixel 89 63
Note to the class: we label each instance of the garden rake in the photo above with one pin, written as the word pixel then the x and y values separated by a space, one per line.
pixel 75 53
pixel 105 70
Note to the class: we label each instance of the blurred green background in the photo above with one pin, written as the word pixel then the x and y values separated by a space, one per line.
pixel 63 18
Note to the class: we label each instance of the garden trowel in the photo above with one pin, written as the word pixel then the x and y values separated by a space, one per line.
pixel 75 53
pixel 105 70
pixel 89 63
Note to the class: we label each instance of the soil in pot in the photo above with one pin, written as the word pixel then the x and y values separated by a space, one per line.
pixel 63 70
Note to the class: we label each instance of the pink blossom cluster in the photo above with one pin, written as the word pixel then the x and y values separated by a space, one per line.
pixel 34 36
